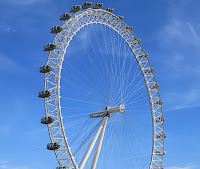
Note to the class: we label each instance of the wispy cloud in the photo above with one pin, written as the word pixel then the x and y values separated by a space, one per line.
pixel 182 100
pixel 188 167
pixel 197 37
pixel 26 2
pixel 4 164
pixel 81 41
pixel 180 31
pixel 181 41
pixel 6 28
pixel 7 64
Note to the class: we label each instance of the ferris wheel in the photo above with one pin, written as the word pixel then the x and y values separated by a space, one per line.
pixel 98 71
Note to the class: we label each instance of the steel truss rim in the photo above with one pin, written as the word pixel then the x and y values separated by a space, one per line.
pixel 155 160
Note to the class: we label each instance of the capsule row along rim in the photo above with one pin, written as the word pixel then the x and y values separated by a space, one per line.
pixel 47 68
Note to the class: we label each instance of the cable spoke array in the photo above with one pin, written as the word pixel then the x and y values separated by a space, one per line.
pixel 96 63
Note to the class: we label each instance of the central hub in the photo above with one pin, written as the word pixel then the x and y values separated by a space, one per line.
pixel 115 109
pixel 108 110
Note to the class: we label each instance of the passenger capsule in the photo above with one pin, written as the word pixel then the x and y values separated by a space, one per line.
pixel 98 6
pixel 56 29
pixel 149 70
pixel 49 47
pixel 160 119
pixel 161 136
pixel 44 93
pixel 120 17
pixel 158 102
pixel 65 16
pixel 75 8
pixel 142 55
pixel 160 153
pixel 136 41
pixel 47 120
pixel 111 10
pixel 87 5
pixel 128 28
pixel 53 146
pixel 154 86
pixel 61 167
pixel 45 69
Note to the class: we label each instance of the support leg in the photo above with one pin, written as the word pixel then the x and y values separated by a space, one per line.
pixel 89 150
pixel 98 148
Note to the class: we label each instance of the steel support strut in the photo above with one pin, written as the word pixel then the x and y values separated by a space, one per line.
pixel 98 148
pixel 91 146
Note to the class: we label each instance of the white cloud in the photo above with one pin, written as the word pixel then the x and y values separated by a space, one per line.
pixel 6 28
pixel 26 2
pixel 83 41
pixel 193 31
pixel 188 167
pixel 3 162
pixel 180 37
pixel 9 167
pixel 5 165
pixel 180 31
pixel 182 100
pixel 9 65
pixel 180 40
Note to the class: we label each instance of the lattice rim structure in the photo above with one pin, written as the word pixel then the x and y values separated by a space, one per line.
pixel 52 82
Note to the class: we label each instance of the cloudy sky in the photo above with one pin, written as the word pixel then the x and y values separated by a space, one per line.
pixel 170 33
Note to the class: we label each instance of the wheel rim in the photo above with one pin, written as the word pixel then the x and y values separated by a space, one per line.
pixel 52 82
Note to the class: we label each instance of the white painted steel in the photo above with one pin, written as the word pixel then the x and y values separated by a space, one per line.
pixel 52 81
pixel 108 111
pixel 89 150
pixel 98 148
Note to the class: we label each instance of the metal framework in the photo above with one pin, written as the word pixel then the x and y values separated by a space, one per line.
pixel 52 82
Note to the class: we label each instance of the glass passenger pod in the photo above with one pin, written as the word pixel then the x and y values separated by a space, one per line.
pixel 158 102
pixel 120 17
pixel 75 8
pixel 47 120
pixel 49 47
pixel 161 136
pixel 160 152
pixel 149 70
pixel 142 55
pixel 111 10
pixel 87 5
pixel 128 28
pixel 53 146
pixel 160 119
pixel 44 93
pixel 61 167
pixel 98 6
pixel 56 29
pixel 65 16
pixel 45 69
pixel 154 86
pixel 136 41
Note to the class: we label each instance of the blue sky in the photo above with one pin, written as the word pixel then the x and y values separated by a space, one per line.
pixel 170 33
